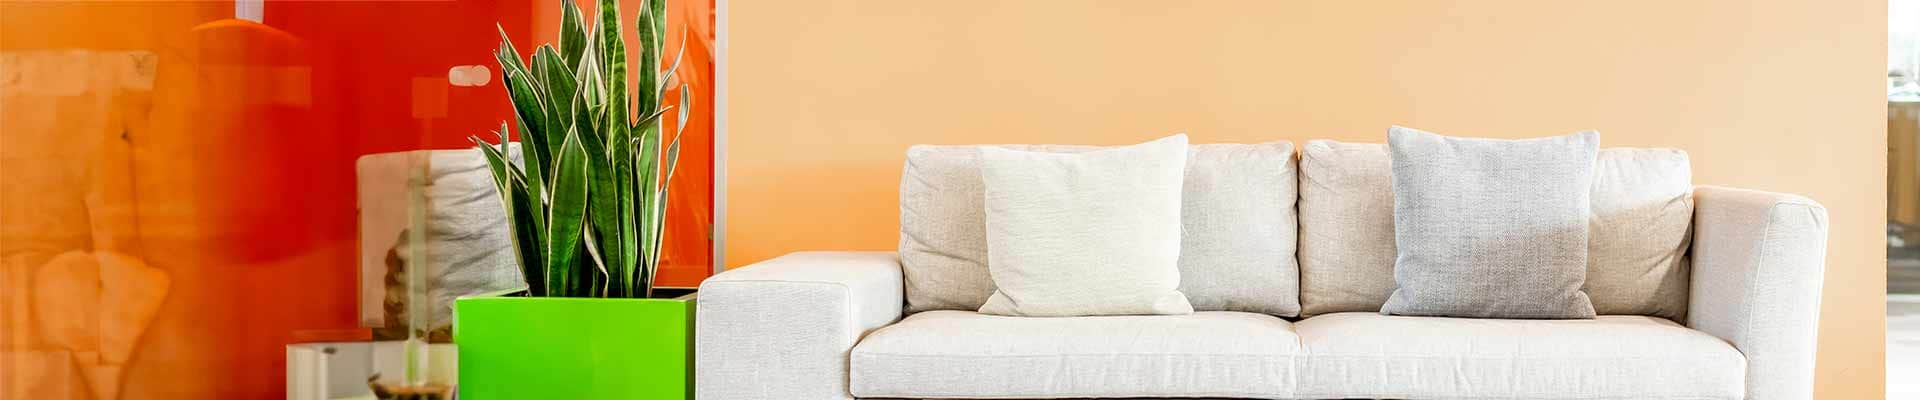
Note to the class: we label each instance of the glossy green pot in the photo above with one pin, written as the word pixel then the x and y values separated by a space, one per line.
pixel 574 348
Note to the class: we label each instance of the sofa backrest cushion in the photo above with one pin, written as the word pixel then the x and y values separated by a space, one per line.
pixel 1638 232
pixel 1237 216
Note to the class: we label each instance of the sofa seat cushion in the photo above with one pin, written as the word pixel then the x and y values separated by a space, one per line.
pixel 963 354
pixel 1368 355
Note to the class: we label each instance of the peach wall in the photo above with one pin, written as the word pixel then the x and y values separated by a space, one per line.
pixel 1777 95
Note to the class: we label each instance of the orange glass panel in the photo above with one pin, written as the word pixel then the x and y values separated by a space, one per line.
pixel 178 187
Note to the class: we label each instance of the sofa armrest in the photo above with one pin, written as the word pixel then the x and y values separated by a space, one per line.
pixel 1758 261
pixel 782 328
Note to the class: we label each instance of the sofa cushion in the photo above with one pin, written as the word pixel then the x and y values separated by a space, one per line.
pixel 1239 229
pixel 1093 233
pixel 1346 227
pixel 959 354
pixel 1237 216
pixel 1640 231
pixel 1368 355
pixel 1491 228
pixel 1642 210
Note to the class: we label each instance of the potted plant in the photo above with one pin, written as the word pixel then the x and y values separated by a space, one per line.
pixel 586 205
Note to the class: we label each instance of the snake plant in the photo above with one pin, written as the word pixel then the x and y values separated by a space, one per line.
pixel 588 199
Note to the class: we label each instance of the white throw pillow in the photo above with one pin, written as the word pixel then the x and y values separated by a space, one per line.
pixel 1490 228
pixel 1094 233
pixel 1237 242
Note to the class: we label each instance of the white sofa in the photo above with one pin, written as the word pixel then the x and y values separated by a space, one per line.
pixel 838 325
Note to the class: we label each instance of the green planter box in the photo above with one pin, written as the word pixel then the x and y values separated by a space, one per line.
pixel 574 348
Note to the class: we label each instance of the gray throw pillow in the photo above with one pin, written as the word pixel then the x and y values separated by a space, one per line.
pixel 1636 248
pixel 1491 228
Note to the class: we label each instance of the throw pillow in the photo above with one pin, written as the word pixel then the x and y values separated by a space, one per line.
pixel 1346 227
pixel 1491 228
pixel 1636 251
pixel 1640 231
pixel 1094 233
pixel 1237 238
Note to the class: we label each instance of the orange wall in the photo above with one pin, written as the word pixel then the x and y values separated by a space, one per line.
pixel 1777 95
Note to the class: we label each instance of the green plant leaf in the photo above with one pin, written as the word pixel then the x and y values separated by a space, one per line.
pixel 565 216
pixel 530 165
pixel 668 78
pixel 589 113
pixel 647 158
pixel 573 33
pixel 620 155
pixel 658 10
pixel 535 159
pixel 508 57
pixel 686 105
pixel 645 176
pixel 644 151
pixel 530 109
pixel 603 214
pixel 647 75
pixel 588 201
pixel 602 277
pixel 513 197
pixel 498 169
pixel 560 89
pixel 672 159
pixel 613 56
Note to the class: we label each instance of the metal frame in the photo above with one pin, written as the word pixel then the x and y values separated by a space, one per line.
pixel 719 228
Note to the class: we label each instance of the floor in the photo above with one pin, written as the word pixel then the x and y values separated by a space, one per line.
pixel 1903 321
pixel 1903 345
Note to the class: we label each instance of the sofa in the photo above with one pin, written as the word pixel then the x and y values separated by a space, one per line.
pixel 1725 306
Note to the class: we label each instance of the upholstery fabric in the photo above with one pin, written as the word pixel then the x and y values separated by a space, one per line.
pixel 943 226
pixel 1238 223
pixel 1239 229
pixel 1758 262
pixel 1368 355
pixel 783 328
pixel 1640 230
pixel 1491 228
pixel 959 354
pixel 1093 233
pixel 1346 227
pixel 1641 227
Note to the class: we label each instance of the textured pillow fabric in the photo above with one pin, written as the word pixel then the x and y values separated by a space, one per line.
pixel 1094 233
pixel 1636 254
pixel 1237 245
pixel 1346 227
pixel 1490 228
pixel 1640 231
pixel 1239 229
pixel 943 226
